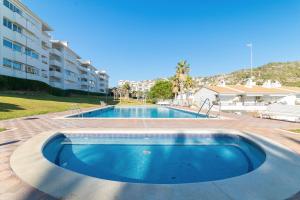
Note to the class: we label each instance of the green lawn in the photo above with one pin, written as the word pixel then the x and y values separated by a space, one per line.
pixel 2 129
pixel 13 105
pixel 295 130
pixel 16 104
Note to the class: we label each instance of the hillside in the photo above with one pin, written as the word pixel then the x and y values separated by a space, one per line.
pixel 288 73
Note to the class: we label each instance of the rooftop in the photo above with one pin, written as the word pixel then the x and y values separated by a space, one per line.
pixel 241 89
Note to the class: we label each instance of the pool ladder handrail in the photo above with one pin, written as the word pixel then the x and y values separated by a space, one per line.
pixel 209 106
pixel 207 113
pixel 77 108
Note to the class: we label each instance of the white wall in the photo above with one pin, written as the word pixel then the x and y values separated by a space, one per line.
pixel 288 100
pixel 33 40
pixel 203 94
pixel 34 37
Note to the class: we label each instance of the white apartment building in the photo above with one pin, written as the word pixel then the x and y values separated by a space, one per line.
pixel 63 66
pixel 25 42
pixel 27 52
pixel 68 71
pixel 91 79
pixel 138 86
pixel 103 81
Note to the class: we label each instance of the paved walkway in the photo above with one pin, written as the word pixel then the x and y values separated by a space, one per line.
pixel 20 130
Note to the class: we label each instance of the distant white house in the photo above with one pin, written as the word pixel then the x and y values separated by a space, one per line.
pixel 249 97
pixel 138 86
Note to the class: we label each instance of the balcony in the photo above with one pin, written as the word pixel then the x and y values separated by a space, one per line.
pixel 85 76
pixel 83 68
pixel 56 52
pixel 84 82
pixel 71 78
pixel 46 36
pixel 56 84
pixel 55 63
pixel 20 19
pixel 84 87
pixel 45 45
pixel 55 73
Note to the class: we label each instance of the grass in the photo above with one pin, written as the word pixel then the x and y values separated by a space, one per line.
pixel 22 104
pixel 2 129
pixel 14 105
pixel 131 102
pixel 295 130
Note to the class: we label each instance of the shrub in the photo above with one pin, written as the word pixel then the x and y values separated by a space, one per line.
pixel 161 90
pixel 13 83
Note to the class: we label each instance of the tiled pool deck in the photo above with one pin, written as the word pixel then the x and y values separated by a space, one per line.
pixel 11 187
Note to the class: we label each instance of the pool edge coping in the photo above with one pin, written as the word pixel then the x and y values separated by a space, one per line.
pixel 69 116
pixel 34 151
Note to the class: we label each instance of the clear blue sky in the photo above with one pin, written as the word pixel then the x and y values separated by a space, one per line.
pixel 144 39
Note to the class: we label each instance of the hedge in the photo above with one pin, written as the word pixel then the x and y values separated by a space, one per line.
pixel 13 83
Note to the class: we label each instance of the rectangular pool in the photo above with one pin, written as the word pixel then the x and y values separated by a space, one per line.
pixel 138 112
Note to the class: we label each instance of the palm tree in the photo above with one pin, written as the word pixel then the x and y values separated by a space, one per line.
pixel 176 85
pixel 189 83
pixel 182 73
pixel 126 90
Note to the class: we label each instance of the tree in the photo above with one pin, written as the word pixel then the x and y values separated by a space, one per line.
pixel 126 90
pixel 162 89
pixel 115 93
pixel 181 80
pixel 139 94
pixel 189 83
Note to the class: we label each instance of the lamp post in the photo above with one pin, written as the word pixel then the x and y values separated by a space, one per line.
pixel 251 56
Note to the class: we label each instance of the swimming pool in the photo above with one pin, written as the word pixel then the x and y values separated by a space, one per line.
pixel 138 112
pixel 155 158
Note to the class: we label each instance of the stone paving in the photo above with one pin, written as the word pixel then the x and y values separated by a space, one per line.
pixel 21 129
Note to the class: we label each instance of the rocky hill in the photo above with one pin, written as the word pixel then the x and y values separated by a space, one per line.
pixel 288 73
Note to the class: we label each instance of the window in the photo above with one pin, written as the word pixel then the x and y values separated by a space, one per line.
pixel 28 52
pixel 17 10
pixel 6 3
pixel 17 28
pixel 7 62
pixel 7 23
pixel 11 45
pixel 12 64
pixel 31 70
pixel 31 53
pixel 17 47
pixel 7 43
pixel 12 7
pixel 34 55
pixel 17 66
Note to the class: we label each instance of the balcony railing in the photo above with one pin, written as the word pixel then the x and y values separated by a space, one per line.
pixel 84 76
pixel 56 84
pixel 55 73
pixel 55 63
pixel 243 104
pixel 56 52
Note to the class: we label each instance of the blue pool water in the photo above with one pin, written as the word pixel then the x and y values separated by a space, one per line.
pixel 139 112
pixel 156 159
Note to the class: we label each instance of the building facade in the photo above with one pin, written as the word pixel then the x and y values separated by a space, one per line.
pixel 138 86
pixel 27 51
pixel 25 43
pixel 249 97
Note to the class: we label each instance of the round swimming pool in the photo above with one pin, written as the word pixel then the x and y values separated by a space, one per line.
pixel 155 158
